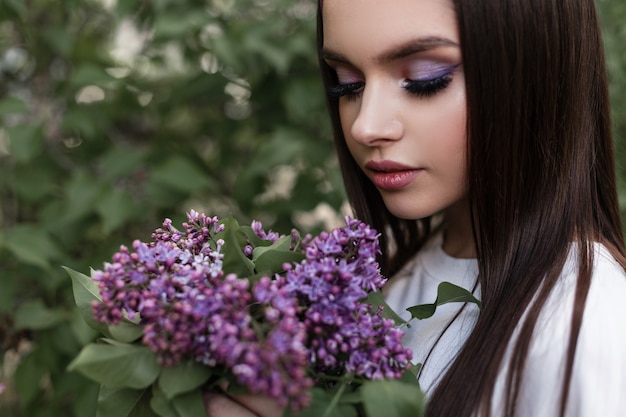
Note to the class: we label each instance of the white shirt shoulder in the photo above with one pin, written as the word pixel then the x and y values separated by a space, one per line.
pixel 598 382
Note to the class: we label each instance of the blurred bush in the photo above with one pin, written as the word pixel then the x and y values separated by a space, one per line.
pixel 613 16
pixel 115 114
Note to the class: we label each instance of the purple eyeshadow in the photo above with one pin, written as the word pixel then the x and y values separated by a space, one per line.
pixel 430 71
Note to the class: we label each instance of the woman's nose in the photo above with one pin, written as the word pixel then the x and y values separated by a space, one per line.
pixel 377 121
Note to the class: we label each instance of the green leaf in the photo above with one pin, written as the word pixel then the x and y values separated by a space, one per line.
pixel 376 299
pixel 124 402
pixel 422 311
pixel 450 293
pixel 117 366
pixel 235 261
pixel 17 6
pixel 83 191
pixel 446 293
pixel 226 52
pixel 120 162
pixel 301 100
pixel 114 342
pixel 282 244
pixel 392 398
pixel 190 404
pixel 32 183
pixel 126 331
pixel 183 378
pixel 172 25
pixel 31 244
pixel 89 73
pixel 270 259
pixel 60 339
pixel 115 207
pixel 85 292
pixel 83 333
pixel 181 174
pixel 12 105
pixel 84 122
pixel 85 398
pixel 271 52
pixel 27 141
pixel 161 404
pixel 281 149
pixel 28 377
pixel 410 375
pixel 8 292
pixel 35 315
pixel 59 39
pixel 306 194
pixel 255 241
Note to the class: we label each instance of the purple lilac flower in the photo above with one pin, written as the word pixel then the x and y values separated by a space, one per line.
pixel 166 281
pixel 270 333
pixel 339 271
pixel 257 227
pixel 277 364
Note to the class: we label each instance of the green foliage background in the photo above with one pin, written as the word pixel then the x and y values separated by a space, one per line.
pixel 115 114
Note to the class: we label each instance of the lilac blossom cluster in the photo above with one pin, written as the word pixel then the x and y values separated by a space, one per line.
pixel 276 335
pixel 345 335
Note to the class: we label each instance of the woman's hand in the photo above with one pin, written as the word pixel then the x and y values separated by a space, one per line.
pixel 220 404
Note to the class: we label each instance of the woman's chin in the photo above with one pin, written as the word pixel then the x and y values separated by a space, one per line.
pixel 409 212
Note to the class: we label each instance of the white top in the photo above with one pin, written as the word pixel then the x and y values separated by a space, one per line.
pixel 599 374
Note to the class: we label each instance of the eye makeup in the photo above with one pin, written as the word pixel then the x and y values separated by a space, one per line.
pixel 424 79
pixel 349 84
pixel 429 79
pixel 350 91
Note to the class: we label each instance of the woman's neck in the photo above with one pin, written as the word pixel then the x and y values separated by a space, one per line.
pixel 458 237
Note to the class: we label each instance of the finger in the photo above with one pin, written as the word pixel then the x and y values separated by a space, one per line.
pixel 262 405
pixel 218 405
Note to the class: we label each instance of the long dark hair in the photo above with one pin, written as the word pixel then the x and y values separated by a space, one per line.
pixel 540 174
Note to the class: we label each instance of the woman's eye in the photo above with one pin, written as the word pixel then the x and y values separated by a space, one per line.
pixel 433 79
pixel 427 88
pixel 351 90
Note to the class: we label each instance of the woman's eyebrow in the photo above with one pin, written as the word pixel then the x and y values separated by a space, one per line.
pixel 401 51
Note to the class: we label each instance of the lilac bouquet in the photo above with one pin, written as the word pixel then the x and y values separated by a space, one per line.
pixel 299 319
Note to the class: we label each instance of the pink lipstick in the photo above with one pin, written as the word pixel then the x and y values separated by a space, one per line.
pixel 389 176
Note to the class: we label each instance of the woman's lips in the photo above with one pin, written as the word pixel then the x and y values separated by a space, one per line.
pixel 389 176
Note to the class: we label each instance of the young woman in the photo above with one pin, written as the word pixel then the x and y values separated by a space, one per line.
pixel 476 135
pixel 487 121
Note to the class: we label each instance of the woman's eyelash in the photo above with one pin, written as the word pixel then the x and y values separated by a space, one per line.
pixel 420 88
pixel 350 91
pixel 427 88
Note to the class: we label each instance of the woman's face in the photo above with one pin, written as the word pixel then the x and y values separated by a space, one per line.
pixel 401 96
